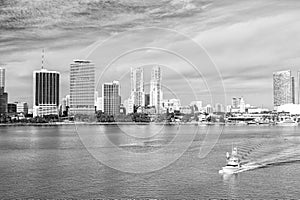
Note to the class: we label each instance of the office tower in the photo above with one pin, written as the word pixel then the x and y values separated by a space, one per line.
pixel 137 86
pixel 111 98
pixel 82 87
pixel 2 77
pixel 45 92
pixel 155 89
pixel 12 109
pixel 282 88
pixel 3 94
pixel 242 105
pixel 293 90
pixel 22 108
pixel 147 100
pixel 235 102
pixel 298 87
pixel 99 104
pixel 129 106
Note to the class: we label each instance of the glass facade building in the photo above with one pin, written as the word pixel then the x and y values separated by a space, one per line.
pixel 283 88
pixel 111 98
pixel 3 94
pixel 46 92
pixel 82 87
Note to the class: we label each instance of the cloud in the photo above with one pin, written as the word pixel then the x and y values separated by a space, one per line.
pixel 248 40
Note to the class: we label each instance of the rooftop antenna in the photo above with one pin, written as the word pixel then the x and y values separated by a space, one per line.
pixel 43 56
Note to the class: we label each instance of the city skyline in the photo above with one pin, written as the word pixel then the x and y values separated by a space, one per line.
pixel 223 28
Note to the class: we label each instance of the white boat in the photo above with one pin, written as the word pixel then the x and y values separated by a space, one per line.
pixel 233 163
pixel 287 122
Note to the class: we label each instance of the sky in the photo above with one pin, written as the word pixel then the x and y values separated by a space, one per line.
pixel 209 50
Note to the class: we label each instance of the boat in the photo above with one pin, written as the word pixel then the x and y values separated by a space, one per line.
pixel 233 163
pixel 288 121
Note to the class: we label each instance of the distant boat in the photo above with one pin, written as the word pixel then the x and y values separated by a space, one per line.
pixel 233 163
pixel 287 122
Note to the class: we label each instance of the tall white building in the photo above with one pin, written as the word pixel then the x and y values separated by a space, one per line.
pixel 129 106
pixel 111 95
pixel 22 107
pixel 46 92
pixel 82 87
pixel 137 86
pixel 156 95
pixel 171 105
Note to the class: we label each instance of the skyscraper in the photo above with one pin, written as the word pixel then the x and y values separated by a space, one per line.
pixel 111 98
pixel 283 88
pixel 137 86
pixel 298 87
pixel 46 92
pixel 3 94
pixel 2 77
pixel 155 89
pixel 82 87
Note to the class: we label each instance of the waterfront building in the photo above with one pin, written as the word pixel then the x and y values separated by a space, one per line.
pixel 209 109
pixel 242 105
pixel 3 94
pixel 99 104
pixel 197 106
pixel 12 109
pixel 298 87
pixel 156 95
pixel 185 109
pixel 283 88
pixel 137 86
pixel 22 108
pixel 45 92
pixel 235 102
pixel 111 98
pixel 2 77
pixel 82 87
pixel 171 105
pixel 129 106
pixel 147 100
pixel 219 108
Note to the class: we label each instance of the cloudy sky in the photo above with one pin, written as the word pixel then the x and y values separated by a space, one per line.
pixel 209 50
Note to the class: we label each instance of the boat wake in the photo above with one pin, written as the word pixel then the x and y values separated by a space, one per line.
pixel 268 153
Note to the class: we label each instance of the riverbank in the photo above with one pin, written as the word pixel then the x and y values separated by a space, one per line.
pixel 131 123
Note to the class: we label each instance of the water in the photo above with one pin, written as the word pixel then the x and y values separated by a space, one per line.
pixel 52 162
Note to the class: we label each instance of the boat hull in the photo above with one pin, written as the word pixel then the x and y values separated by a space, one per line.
pixel 230 170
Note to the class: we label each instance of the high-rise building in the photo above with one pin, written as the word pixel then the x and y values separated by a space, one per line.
pixel 111 98
pixel 46 92
pixel 2 77
pixel 82 87
pixel 283 88
pixel 147 100
pixel 156 95
pixel 137 86
pixel 22 107
pixel 235 102
pixel 12 109
pixel 298 87
pixel 3 94
pixel 129 106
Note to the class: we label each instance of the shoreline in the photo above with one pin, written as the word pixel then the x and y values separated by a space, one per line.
pixel 128 123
